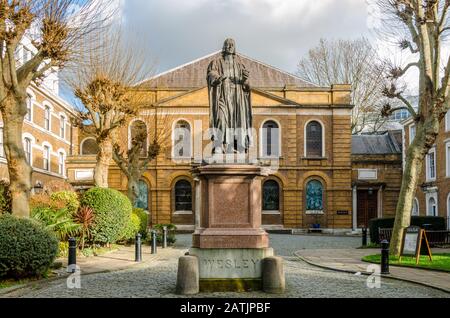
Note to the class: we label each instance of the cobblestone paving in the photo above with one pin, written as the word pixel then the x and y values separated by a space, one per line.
pixel 303 280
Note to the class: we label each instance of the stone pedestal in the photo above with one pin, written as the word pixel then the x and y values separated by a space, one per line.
pixel 229 241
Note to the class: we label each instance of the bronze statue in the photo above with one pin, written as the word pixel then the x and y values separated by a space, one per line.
pixel 230 104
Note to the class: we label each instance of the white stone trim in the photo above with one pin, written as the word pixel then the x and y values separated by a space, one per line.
pixel 361 171
pixel 270 212
pixel 428 197
pixel 182 212
pixel 89 172
pixel 427 165
pixel 323 136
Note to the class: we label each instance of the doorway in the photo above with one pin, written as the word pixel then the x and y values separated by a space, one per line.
pixel 367 207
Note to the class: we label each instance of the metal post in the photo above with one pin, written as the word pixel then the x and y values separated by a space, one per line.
pixel 154 242
pixel 138 248
pixel 164 245
pixel 385 257
pixel 72 261
pixel 364 236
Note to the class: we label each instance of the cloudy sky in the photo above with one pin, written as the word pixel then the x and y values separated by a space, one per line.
pixel 277 32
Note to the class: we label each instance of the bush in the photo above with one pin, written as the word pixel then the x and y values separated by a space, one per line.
pixel 131 229
pixel 143 217
pixel 112 211
pixel 437 224
pixel 171 228
pixel 68 198
pixel 27 249
pixel 5 197
pixel 58 221
pixel 38 201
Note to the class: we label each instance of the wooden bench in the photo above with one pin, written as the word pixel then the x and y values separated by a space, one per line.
pixel 435 238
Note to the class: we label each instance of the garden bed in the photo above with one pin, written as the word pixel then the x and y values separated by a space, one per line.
pixel 441 262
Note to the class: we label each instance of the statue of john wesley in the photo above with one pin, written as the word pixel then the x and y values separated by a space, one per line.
pixel 229 99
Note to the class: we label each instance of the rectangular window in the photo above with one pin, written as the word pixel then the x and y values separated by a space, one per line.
pixel 29 108
pixel 447 147
pixel 46 158
pixel 412 133
pixel 47 118
pixel 62 131
pixel 27 147
pixel 2 150
pixel 61 163
pixel 431 165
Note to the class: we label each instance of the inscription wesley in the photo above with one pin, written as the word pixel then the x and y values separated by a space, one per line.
pixel 231 263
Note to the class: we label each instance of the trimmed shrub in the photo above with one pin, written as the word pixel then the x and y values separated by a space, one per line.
pixel 131 229
pixel 68 198
pixel 143 217
pixel 171 228
pixel 27 249
pixel 112 211
pixel 5 197
pixel 437 223
pixel 38 201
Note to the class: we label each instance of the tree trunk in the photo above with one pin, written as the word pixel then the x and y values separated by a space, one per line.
pixel 133 188
pixel 18 168
pixel 104 157
pixel 416 154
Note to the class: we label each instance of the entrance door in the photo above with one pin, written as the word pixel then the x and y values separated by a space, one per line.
pixel 367 207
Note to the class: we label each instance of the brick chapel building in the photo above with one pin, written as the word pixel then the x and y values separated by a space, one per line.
pixel 323 174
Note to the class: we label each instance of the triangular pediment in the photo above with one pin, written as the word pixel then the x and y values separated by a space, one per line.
pixel 199 98
pixel 193 75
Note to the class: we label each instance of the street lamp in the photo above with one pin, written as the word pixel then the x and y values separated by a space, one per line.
pixel 38 187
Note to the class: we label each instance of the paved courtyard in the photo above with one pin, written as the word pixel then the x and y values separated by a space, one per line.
pixel 158 277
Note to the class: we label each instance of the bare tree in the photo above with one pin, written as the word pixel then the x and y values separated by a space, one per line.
pixel 104 83
pixel 54 28
pixel 354 62
pixel 419 27
pixel 134 153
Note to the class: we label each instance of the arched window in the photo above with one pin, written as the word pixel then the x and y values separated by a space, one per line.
pixel 27 148
pixel 89 147
pixel 314 196
pixel 182 140
pixel 314 141
pixel 271 196
pixel 432 209
pixel 183 196
pixel 415 208
pixel 138 135
pixel 270 139
pixel 142 199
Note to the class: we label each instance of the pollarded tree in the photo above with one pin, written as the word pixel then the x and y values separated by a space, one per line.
pixel 54 28
pixel 104 83
pixel 133 155
pixel 354 62
pixel 420 28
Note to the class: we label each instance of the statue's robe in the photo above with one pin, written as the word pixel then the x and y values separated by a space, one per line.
pixel 230 104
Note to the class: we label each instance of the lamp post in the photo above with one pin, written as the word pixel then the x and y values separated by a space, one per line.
pixel 38 187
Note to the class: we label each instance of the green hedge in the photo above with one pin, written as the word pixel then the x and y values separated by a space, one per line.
pixel 143 217
pixel 131 229
pixel 112 212
pixel 5 197
pixel 27 249
pixel 68 198
pixel 437 224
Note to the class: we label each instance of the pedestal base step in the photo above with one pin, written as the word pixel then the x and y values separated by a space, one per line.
pixel 230 285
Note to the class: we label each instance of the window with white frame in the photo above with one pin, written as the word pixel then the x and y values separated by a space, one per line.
pixel 27 148
pixel 415 208
pixel 2 150
pixel 432 207
pixel 447 158
pixel 431 165
pixel 46 158
pixel 412 133
pixel 61 163
pixel 47 115
pixel 29 108
pixel 62 126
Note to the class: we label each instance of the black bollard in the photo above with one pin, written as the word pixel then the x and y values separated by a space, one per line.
pixel 164 245
pixel 154 242
pixel 138 248
pixel 364 236
pixel 385 257
pixel 72 262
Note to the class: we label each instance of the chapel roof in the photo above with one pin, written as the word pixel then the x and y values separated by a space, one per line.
pixel 193 75
pixel 381 144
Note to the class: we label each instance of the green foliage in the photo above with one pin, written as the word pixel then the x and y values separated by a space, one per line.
pixel 440 261
pixel 112 211
pixel 143 217
pixel 437 224
pixel 27 249
pixel 5 197
pixel 171 228
pixel 59 221
pixel 84 216
pixel 68 198
pixel 131 229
